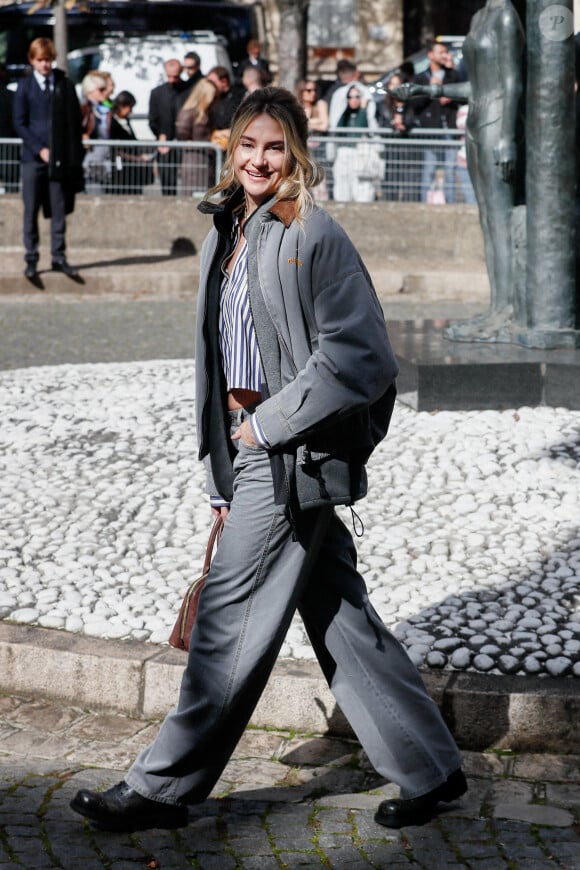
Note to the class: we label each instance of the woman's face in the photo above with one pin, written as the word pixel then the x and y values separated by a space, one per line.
pixel 353 100
pixel 97 95
pixel 259 159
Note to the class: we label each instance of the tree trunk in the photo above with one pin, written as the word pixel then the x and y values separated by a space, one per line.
pixel 60 35
pixel 292 42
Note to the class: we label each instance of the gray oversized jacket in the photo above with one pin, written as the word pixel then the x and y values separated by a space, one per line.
pixel 327 361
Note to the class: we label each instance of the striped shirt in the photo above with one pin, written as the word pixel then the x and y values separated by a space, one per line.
pixel 237 336
pixel 238 343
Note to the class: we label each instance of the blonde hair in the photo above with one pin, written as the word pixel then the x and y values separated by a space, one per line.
pixel 109 81
pixel 92 81
pixel 300 172
pixel 201 98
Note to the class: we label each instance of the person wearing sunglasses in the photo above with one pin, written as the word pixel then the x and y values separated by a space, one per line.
pixel 316 110
pixel 358 167
pixel 47 118
pixel 95 125
pixel 191 70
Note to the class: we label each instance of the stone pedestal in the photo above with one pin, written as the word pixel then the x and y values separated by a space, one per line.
pixel 436 374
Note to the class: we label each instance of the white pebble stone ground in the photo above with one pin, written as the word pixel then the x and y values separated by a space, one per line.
pixel 471 548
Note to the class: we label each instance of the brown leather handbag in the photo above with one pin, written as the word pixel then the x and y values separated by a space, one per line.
pixel 179 637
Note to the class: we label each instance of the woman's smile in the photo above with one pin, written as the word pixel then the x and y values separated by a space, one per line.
pixel 259 159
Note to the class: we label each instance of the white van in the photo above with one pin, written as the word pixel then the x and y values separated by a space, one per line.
pixel 136 64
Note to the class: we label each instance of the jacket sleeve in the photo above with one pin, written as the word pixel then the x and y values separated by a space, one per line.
pixel 215 499
pixel 351 364
pixel 21 119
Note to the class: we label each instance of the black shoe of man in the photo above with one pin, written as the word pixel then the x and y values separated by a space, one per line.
pixel 121 808
pixel 65 268
pixel 30 271
pixel 420 810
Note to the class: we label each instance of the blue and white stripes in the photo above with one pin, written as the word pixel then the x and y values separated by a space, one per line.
pixel 237 336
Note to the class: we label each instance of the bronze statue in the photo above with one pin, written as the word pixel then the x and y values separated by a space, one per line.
pixel 493 53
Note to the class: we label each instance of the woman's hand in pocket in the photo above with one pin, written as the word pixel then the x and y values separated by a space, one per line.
pixel 246 435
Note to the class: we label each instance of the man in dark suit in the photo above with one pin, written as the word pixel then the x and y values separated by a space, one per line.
pixel 165 102
pixel 48 120
pixel 255 60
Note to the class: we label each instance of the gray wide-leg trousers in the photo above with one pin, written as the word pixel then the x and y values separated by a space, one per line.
pixel 262 572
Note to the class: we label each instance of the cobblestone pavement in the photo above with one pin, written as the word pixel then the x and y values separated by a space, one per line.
pixel 285 801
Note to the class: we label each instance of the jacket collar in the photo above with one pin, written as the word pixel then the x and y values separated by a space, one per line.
pixel 285 210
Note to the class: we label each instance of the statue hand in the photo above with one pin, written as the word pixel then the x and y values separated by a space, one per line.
pixel 406 91
pixel 505 154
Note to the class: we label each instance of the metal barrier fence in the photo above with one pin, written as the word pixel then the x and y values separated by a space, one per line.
pixel 427 166
pixel 359 167
pixel 120 167
pixel 10 165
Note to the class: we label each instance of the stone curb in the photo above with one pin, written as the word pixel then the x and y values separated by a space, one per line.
pixel 103 272
pixel 524 714
pixel 411 281
pixel 157 272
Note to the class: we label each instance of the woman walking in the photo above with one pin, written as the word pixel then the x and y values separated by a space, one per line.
pixel 294 389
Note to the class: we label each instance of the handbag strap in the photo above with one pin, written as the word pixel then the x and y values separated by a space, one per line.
pixel 214 537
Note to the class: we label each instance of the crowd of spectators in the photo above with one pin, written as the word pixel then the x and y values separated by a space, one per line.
pixel 370 149
pixel 396 166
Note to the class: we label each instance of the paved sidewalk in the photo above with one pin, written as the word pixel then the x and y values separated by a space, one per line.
pixel 285 801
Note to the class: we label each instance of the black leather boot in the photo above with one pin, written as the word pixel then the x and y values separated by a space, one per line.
pixel 121 808
pixel 398 813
